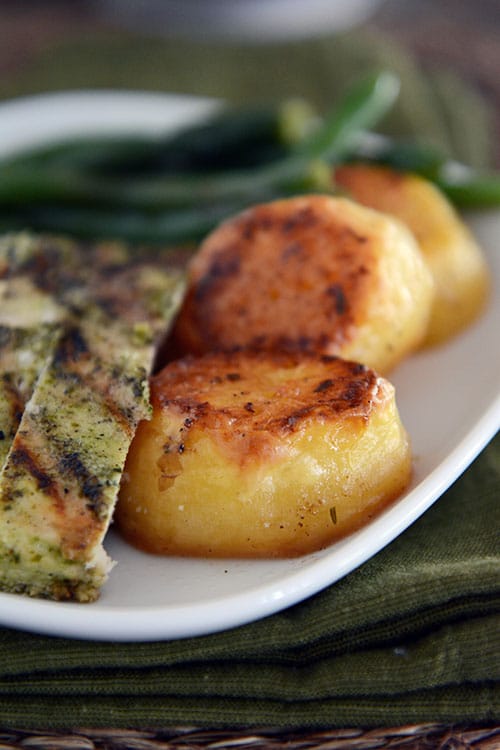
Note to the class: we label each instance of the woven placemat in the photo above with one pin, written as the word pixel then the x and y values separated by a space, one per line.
pixel 411 737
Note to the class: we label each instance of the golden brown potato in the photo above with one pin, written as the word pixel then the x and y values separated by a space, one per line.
pixel 311 273
pixel 261 455
pixel 453 256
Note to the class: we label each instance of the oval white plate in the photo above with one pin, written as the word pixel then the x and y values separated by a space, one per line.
pixel 449 399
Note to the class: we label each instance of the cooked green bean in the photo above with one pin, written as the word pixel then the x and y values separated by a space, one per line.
pixel 226 138
pixel 402 155
pixel 303 168
pixel 464 186
pixel 83 152
pixel 236 139
pixel 22 186
pixel 362 107
pixel 181 227
pixel 472 189
pixel 176 188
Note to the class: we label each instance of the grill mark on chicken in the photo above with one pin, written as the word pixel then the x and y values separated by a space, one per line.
pixel 14 400
pixel 60 477
pixel 5 337
pixel 72 348
pixel 77 365
pixel 91 486
pixel 45 269
pixel 22 353
pixel 80 371
pixel 23 459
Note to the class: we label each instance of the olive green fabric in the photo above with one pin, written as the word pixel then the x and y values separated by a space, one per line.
pixel 436 106
pixel 410 636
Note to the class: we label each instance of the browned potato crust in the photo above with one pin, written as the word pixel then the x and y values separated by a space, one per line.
pixel 453 256
pixel 261 455
pixel 311 273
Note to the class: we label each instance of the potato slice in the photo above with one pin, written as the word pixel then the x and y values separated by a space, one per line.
pixel 261 455
pixel 311 273
pixel 453 256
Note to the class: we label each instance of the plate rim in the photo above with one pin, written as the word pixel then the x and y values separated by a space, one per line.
pixel 121 623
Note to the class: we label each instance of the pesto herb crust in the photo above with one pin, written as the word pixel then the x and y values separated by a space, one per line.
pixel 74 385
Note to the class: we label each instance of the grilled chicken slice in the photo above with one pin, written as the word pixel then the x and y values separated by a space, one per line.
pixel 36 276
pixel 23 352
pixel 29 329
pixel 261 455
pixel 311 273
pixel 461 276
pixel 60 476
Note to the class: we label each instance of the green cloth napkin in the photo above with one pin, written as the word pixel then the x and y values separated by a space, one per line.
pixel 434 105
pixel 410 636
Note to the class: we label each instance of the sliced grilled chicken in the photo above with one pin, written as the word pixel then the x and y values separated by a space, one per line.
pixel 29 322
pixel 61 474
pixel 23 353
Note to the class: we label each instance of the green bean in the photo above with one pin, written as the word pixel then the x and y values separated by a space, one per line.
pixel 57 174
pixel 127 226
pixel 304 167
pixel 404 156
pixel 363 106
pixel 472 189
pixel 58 190
pixel 464 186
pixel 229 137
pixel 182 227
pixel 306 164
pixel 23 186
pixel 83 152
pixel 236 138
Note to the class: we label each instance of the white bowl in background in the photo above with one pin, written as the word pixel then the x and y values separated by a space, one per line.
pixel 243 20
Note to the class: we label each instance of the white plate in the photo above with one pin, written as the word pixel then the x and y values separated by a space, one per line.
pixel 449 399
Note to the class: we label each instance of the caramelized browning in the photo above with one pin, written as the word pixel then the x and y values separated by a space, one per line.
pixel 257 454
pixel 307 274
pixel 395 193
pixel 254 270
pixel 78 330
pixel 248 401
pixel 456 262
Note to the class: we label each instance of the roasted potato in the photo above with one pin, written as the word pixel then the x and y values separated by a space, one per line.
pixel 454 258
pixel 312 273
pixel 261 455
